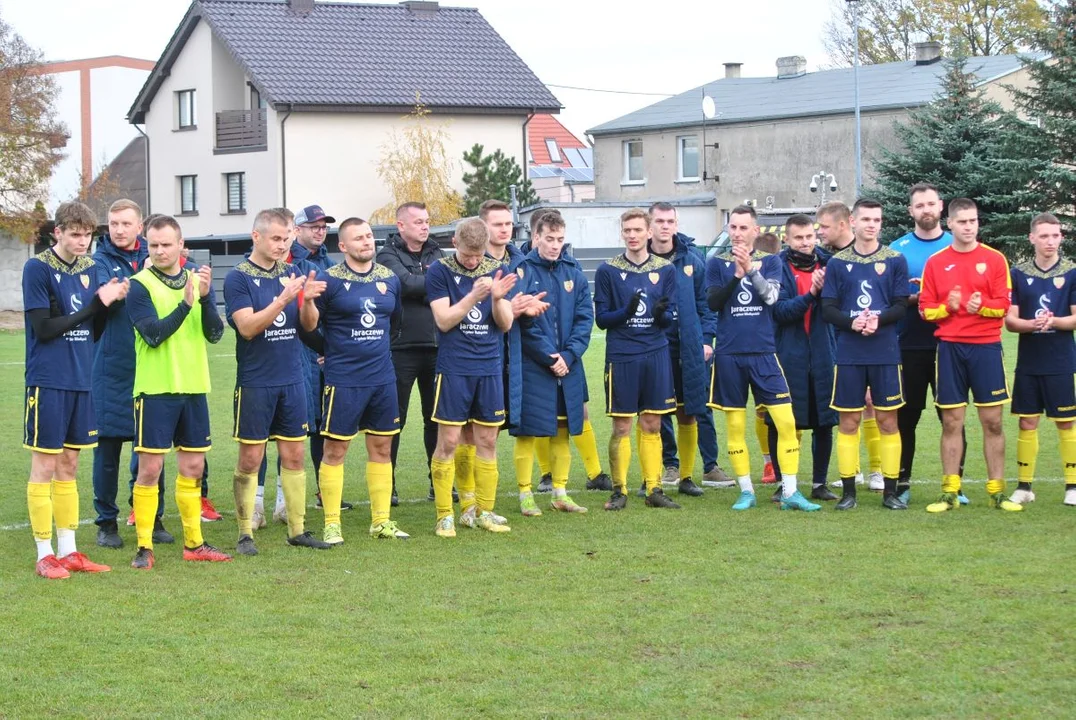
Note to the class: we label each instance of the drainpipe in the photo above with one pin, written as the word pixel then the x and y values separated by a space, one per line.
pixel 148 203
pixel 284 161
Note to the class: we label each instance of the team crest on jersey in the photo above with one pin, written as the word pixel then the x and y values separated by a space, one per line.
pixel 849 266
pixel 1031 280
pixel 623 276
pixel 654 277
pixel 85 280
pixel 568 285
pixel 1059 282
pixel 519 271
pixel 980 268
pixel 57 276
pixel 756 265
pixel 457 279
pixel 257 282
pixel 728 264
pixel 689 270
pixel 347 286
pixel 381 287
pixel 879 267
pixel 283 281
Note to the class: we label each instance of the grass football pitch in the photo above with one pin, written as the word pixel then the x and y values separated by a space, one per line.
pixel 644 613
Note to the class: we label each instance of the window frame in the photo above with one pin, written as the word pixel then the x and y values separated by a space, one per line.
pixel 242 208
pixel 553 149
pixel 626 178
pixel 193 119
pixel 680 142
pixel 193 209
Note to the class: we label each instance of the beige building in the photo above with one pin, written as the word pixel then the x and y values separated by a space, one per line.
pixel 769 137
pixel 256 104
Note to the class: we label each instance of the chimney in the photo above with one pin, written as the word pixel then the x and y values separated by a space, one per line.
pixel 791 66
pixel 732 70
pixel 421 7
pixel 301 7
pixel 927 52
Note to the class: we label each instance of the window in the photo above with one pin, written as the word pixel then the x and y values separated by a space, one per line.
pixel 530 156
pixel 687 157
pixel 554 151
pixel 188 194
pixel 185 110
pixel 235 188
pixel 633 162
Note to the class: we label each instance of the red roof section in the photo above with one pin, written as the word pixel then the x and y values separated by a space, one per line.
pixel 542 127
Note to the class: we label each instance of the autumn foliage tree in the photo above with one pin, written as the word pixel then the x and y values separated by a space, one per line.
pixel 31 136
pixel 415 166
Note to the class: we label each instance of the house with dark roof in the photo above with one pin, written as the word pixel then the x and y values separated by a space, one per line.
pixel 560 166
pixel 260 103
pixel 767 137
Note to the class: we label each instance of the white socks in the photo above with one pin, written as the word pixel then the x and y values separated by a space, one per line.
pixel 65 542
pixel 745 484
pixel 44 548
pixel 788 485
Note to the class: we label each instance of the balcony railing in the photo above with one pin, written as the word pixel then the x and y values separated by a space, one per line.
pixel 241 131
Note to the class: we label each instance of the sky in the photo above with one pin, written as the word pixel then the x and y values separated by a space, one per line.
pixel 595 44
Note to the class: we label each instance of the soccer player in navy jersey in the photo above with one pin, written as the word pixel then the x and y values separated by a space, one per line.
pixel 634 301
pixel 743 284
pixel 1043 312
pixel 864 296
pixel 61 302
pixel 355 311
pixel 262 298
pixel 467 294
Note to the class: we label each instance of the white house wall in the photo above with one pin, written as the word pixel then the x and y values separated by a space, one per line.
pixel 332 158
pixel 598 226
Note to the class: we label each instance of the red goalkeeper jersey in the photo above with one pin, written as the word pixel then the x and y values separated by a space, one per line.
pixel 983 270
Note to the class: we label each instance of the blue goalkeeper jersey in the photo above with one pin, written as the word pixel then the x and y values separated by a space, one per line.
pixel 745 324
pixel 272 357
pixel 1035 291
pixel 474 346
pixel 49 283
pixel 355 311
pixel 874 282
pixel 915 332
pixel 615 283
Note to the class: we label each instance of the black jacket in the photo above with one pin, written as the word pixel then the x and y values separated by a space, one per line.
pixel 414 328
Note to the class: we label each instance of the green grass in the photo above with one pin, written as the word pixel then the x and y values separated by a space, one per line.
pixel 700 613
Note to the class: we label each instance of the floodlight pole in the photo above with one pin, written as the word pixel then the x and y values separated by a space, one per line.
pixel 855 72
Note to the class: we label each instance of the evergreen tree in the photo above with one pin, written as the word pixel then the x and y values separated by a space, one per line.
pixel 966 146
pixel 1050 102
pixel 491 179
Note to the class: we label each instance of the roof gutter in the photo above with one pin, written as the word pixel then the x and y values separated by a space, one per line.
pixel 534 111
pixel 284 160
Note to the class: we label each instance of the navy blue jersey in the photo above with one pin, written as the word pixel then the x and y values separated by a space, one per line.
pixel 356 311
pixel 273 357
pixel 474 346
pixel 915 332
pixel 874 282
pixel 1036 291
pixel 745 324
pixel 48 283
pixel 615 282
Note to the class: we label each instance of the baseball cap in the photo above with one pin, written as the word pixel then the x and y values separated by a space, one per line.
pixel 312 213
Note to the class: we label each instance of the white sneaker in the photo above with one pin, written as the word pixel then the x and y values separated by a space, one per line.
pixel 671 476
pixel 467 517
pixel 280 513
pixel 1070 496
pixel 859 481
pixel 257 518
pixel 1022 497
pixel 876 482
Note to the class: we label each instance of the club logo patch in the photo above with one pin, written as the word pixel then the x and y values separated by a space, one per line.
pixel 689 270
pixel 623 276
pixel 257 282
pixel 980 268
pixel 381 287
pixel 457 279
pixel 848 266
pixel 283 281
pixel 879 268
pixel 654 277
pixel 1030 280
pixel 519 271
pixel 568 285
pixel 756 265
pixel 347 286
pixel 1059 282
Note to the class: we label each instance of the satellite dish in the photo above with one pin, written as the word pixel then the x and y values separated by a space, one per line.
pixel 709 109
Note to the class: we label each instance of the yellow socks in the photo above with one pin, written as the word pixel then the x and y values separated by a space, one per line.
pixel 847 454
pixel 245 488
pixel 587 446
pixel 1067 449
pixel 523 459
pixel 687 444
pixel 650 459
pixel 993 487
pixel 561 454
pixel 1027 451
pixel 39 502
pixel 951 484
pixel 873 437
pixel 189 502
pixel 762 434
pixel 294 485
pixel 889 452
pixel 485 481
pixel 331 481
pixel 444 474
pixel 65 505
pixel 379 483
pixel 788 445
pixel 541 451
pixel 465 473
pixel 736 429
pixel 145 510
pixel 619 459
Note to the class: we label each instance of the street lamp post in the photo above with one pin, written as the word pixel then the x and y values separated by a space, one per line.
pixel 823 180
pixel 855 73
